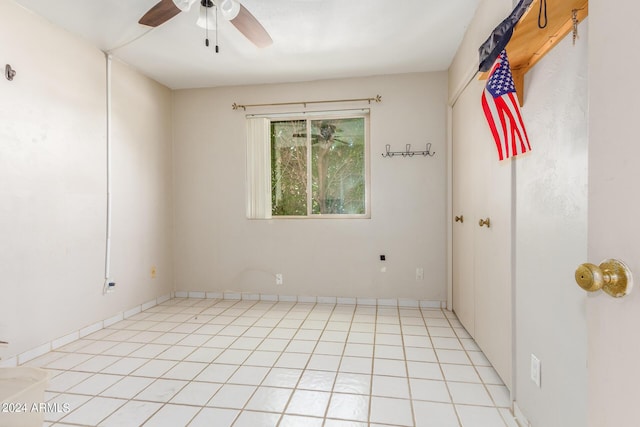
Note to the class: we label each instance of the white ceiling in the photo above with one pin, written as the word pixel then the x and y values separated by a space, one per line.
pixel 312 39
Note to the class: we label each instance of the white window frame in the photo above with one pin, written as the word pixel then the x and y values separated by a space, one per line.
pixel 259 167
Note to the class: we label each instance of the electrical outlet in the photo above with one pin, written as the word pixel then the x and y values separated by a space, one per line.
pixel 279 279
pixel 419 273
pixel 153 271
pixel 108 287
pixel 535 370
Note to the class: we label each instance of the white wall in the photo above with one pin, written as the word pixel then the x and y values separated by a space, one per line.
pixel 218 249
pixel 53 184
pixel 551 238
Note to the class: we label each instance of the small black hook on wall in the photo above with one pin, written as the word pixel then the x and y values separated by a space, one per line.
pixel 9 72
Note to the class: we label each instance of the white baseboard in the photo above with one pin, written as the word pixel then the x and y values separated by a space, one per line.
pixel 519 416
pixel 31 354
pixel 252 296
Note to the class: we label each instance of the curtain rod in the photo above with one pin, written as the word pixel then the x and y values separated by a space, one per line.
pixel 235 106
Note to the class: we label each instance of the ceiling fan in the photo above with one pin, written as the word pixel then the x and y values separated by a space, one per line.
pixel 231 10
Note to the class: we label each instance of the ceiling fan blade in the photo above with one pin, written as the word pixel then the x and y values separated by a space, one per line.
pixel 159 14
pixel 248 25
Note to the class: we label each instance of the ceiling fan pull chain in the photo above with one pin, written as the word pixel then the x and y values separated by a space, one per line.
pixel 217 49
pixel 206 23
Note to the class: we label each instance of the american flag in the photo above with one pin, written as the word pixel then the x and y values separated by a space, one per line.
pixel 502 110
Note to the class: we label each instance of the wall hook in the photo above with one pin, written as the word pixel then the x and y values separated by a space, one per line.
pixel 407 152
pixel 9 72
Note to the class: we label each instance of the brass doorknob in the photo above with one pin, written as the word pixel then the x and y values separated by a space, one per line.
pixel 460 218
pixel 486 222
pixel 612 276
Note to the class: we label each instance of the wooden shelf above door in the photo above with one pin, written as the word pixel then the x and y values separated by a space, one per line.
pixel 529 43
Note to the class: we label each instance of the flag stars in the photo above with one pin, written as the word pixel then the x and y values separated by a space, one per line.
pixel 501 81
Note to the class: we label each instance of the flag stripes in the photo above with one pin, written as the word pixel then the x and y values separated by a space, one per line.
pixel 502 111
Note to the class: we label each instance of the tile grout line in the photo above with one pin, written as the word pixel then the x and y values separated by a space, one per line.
pixel 475 369
pixel 163 404
pixel 373 366
pixel 304 369
pixel 444 378
pixel 326 410
pixel 272 366
pixel 256 314
pixel 406 365
pixel 97 395
pixel 235 419
pixel 208 364
pixel 183 358
pixel 293 305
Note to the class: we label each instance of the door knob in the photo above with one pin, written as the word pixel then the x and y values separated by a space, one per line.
pixel 460 218
pixel 612 276
pixel 486 222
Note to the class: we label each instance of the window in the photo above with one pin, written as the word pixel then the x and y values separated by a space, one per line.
pixel 318 166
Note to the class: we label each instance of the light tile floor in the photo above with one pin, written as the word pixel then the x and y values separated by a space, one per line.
pixel 207 362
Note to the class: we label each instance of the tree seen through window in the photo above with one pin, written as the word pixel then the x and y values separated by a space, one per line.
pixel 318 167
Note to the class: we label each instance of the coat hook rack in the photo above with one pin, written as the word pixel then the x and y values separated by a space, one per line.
pixel 9 72
pixel 407 152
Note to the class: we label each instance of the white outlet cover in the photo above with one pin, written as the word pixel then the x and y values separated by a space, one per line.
pixel 535 370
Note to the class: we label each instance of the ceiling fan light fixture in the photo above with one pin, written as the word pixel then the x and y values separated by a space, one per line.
pixel 184 5
pixel 206 18
pixel 230 9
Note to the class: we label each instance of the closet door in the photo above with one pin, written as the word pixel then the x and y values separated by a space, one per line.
pixel 482 254
pixel 464 225
pixel 493 256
